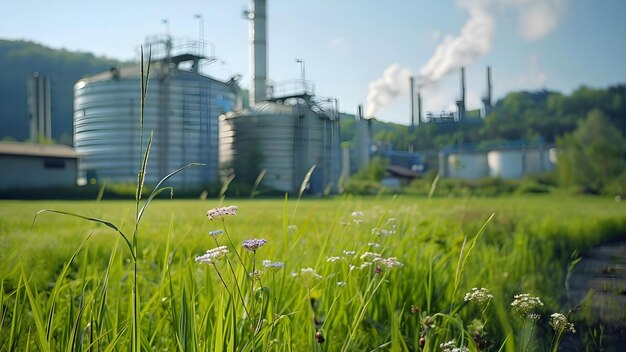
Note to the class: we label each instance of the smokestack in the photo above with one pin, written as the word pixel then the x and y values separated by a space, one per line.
pixel 461 102
pixel 487 97
pixel 258 51
pixel 412 89
pixel 419 107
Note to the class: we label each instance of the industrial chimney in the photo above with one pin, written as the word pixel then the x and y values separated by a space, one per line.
pixel 412 89
pixel 487 97
pixel 419 106
pixel 258 51
pixel 461 102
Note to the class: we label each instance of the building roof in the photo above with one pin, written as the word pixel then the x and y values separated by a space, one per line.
pixel 401 172
pixel 41 150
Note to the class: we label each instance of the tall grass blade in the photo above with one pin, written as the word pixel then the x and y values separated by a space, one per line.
pixel 88 218
pixel 257 182
pixel 303 187
pixel 158 190
pixel 35 309
pixel 57 286
pixel 463 258
pixel 305 181
pixel 433 187
pixel 141 177
pixel 225 185
pixel 144 83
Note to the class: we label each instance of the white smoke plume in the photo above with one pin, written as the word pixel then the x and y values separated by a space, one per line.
pixel 456 51
pixel 536 18
pixel 395 81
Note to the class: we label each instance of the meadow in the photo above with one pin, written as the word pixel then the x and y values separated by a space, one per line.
pixel 335 274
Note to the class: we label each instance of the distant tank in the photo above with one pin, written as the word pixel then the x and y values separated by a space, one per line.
pixel 468 165
pixel 182 109
pixel 284 139
pixel 506 164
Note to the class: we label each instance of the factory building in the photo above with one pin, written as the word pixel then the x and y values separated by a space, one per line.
pixel 182 110
pixel 36 166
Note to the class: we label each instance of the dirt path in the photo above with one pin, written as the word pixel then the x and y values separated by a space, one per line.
pixel 603 272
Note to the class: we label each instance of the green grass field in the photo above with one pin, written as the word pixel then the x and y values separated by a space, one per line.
pixel 58 294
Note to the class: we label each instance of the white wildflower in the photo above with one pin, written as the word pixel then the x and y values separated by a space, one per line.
pixel 387 263
pixel 273 266
pixel 368 255
pixel 212 256
pixel 525 304
pixel 481 297
pixel 220 213
pixel 560 323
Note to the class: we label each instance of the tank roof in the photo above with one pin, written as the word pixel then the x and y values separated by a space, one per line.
pixel 133 72
pixel 263 108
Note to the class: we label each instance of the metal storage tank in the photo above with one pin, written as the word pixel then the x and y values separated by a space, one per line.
pixel 285 140
pixel 507 164
pixel 467 165
pixel 182 109
pixel 537 160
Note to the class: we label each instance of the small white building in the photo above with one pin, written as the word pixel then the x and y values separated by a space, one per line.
pixel 36 166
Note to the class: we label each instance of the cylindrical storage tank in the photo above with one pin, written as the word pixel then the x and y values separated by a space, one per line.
pixel 260 138
pixel 285 141
pixel 468 165
pixel 507 164
pixel 537 161
pixel 182 110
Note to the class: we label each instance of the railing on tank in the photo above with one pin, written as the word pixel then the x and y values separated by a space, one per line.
pixel 164 46
pixel 290 88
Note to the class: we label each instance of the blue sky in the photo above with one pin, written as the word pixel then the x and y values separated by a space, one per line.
pixel 348 44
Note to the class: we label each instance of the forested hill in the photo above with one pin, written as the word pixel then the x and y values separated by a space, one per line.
pixel 18 61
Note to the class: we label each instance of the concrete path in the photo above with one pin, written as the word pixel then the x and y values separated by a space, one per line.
pixel 602 272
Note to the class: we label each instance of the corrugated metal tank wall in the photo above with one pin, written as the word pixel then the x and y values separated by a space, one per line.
pixel 182 109
pixel 285 140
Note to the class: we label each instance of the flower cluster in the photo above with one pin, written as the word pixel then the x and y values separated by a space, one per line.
pixel 450 346
pixel 387 263
pixel 254 244
pixel 212 256
pixel 368 255
pixel 215 233
pixel 220 213
pixel 307 275
pixel 524 304
pixel 273 266
pixel 357 217
pixel 560 323
pixel 386 232
pixel 480 296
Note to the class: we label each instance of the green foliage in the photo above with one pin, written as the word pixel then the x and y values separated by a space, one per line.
pixel 592 157
pixel 373 171
pixel 367 179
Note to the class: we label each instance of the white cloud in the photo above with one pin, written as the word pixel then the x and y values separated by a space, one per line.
pixel 537 18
